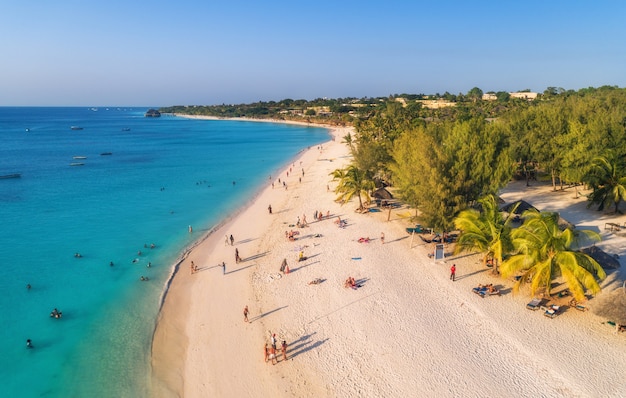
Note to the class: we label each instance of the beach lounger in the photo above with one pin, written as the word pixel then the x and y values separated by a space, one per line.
pixel 534 304
pixel 579 307
pixel 552 311
pixel 481 291
pixel 417 229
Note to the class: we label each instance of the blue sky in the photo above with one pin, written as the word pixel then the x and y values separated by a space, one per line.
pixel 132 53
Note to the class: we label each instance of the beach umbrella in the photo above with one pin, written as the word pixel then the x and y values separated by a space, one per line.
pixel 603 258
pixel 523 206
pixel 382 193
pixel 612 305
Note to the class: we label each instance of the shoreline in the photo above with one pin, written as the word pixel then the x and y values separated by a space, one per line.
pixel 170 327
pixel 404 332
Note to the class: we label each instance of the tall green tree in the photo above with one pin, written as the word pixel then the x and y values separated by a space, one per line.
pixel 544 252
pixel 446 166
pixel 485 231
pixel 352 182
pixel 607 178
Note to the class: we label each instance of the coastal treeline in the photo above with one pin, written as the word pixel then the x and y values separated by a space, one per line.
pixel 451 167
pixel 350 110
pixel 444 164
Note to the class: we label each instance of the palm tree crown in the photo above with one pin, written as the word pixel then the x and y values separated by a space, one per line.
pixel 545 252
pixel 486 231
pixel 607 178
pixel 352 181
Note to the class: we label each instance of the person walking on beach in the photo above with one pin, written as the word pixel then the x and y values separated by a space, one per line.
pixel 269 208
pixel 283 349
pixel 237 258
pixel 192 267
pixel 223 268
pixel 232 240
pixel 452 272
pixel 226 240
pixel 245 314
pixel 382 238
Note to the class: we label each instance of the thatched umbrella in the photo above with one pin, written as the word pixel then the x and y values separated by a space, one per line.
pixel 382 193
pixel 522 207
pixel 612 305
pixel 603 258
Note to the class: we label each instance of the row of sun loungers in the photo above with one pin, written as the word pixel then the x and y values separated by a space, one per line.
pixel 550 311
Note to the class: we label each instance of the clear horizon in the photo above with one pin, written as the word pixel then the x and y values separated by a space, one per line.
pixel 71 53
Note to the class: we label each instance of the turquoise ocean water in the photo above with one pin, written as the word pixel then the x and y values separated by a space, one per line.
pixel 162 175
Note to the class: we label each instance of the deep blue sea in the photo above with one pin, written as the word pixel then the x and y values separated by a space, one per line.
pixel 162 175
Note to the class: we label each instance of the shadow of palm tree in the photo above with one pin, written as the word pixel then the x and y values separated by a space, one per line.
pixel 264 314
pixel 342 307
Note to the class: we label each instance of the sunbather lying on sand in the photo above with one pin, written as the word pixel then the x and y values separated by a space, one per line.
pixel 316 281
pixel 364 240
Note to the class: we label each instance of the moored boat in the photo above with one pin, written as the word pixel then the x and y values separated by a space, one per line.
pixel 14 175
pixel 80 157
pixel 77 164
pixel 106 153
pixel 76 128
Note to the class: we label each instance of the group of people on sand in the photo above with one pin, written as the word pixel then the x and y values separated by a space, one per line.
pixel 271 353
pixel 351 283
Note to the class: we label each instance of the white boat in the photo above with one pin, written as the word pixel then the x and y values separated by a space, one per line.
pixel 76 128
pixel 80 157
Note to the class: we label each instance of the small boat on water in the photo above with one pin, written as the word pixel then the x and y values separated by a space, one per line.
pixel 76 128
pixel 80 157
pixel 77 164
pixel 106 153
pixel 126 129
pixel 14 175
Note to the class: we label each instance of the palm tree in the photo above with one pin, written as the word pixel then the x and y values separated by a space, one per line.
pixel 352 181
pixel 545 252
pixel 607 178
pixel 486 231
pixel 347 139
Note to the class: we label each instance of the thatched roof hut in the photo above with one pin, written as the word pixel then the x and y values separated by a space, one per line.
pixel 611 305
pixel 382 193
pixel 603 258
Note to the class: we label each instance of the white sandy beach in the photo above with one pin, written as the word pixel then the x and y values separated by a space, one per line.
pixel 408 331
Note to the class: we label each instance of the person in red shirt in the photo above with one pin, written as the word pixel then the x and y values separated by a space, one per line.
pixel 452 272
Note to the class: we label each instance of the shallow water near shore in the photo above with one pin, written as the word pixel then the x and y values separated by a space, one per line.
pixel 142 181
